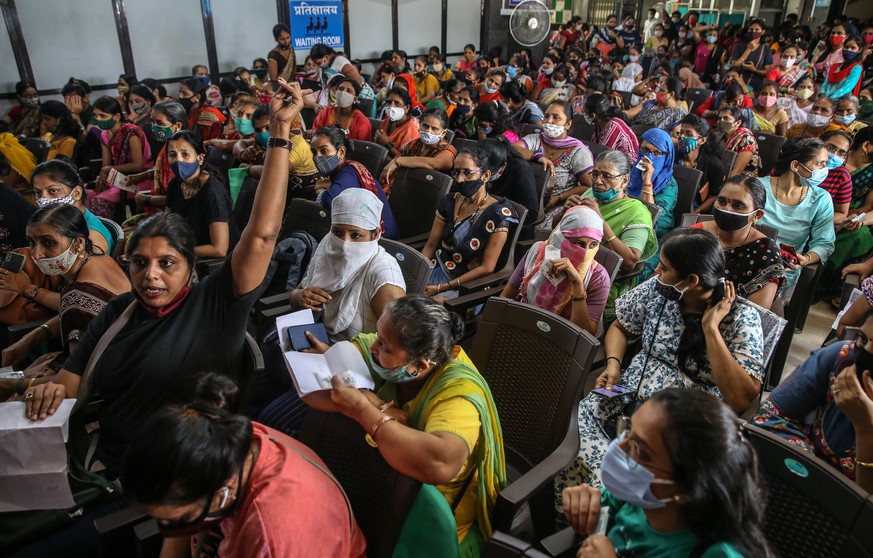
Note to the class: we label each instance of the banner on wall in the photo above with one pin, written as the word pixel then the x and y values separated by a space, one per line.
pixel 316 21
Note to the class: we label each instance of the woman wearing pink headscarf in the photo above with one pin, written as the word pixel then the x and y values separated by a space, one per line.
pixel 560 274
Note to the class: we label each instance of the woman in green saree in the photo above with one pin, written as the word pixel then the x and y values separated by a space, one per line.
pixel 431 416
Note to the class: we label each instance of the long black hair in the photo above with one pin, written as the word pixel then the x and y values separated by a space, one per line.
pixel 713 145
pixel 801 149
pixel 599 106
pixel 66 126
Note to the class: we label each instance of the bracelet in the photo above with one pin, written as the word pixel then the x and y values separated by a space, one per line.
pixel 610 239
pixel 385 406
pixel 19 385
pixel 615 358
pixel 583 296
pixel 459 283
pixel 46 328
pixel 370 437
pixel 865 464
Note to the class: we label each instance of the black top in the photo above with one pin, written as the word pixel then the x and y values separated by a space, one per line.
pixel 713 171
pixel 518 184
pixel 211 204
pixel 15 212
pixel 151 358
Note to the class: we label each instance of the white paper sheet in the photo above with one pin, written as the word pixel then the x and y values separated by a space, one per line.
pixel 852 297
pixel 312 372
pixel 301 317
pixel 33 459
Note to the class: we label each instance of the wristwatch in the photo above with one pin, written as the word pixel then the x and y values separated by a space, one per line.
pixel 389 145
pixel 279 142
pixel 31 294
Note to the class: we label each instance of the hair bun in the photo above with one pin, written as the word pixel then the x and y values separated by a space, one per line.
pixel 457 324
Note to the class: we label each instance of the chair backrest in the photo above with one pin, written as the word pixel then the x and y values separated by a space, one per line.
pixel 367 106
pixel 582 129
pixel 375 123
pixel 415 196
pixel 506 260
pixel 450 137
pixel 595 148
pixel 252 368
pixel 696 96
pixel 39 147
pixel 640 129
pixel 501 545
pixel 655 211
pixel 460 143
pixel 371 155
pixel 543 181
pixel 416 268
pixel 380 496
pixel 769 146
pixel 116 232
pixel 305 215
pixel 610 261
pixel 689 181
pixel 812 510
pixel 626 98
pixel 728 158
pixel 527 129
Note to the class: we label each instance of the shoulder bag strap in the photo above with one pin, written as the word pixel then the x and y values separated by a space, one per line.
pixel 87 379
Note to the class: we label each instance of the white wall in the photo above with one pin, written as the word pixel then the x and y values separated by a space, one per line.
pixel 369 28
pixel 166 37
pixel 243 31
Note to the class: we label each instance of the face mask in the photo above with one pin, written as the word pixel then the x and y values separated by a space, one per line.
pixel 817 120
pixel 548 71
pixel 682 34
pixel 605 196
pixel 326 164
pixel 44 202
pixel 730 221
pixel 849 55
pixel 262 137
pixel 202 523
pixel 187 104
pixel 766 101
pixel 396 113
pixel 161 133
pixel 397 376
pixel 284 47
pixel 59 264
pixel 496 176
pixel 754 35
pixel 837 40
pixel 687 145
pixel 205 80
pixel 670 292
pixel 420 74
pixel 553 131
pixel 107 124
pixel 559 84
pixel 676 19
pixel 185 170
pixel 467 188
pixel 244 125
pixel 659 33
pixel 712 39
pixel 788 62
pixel 660 99
pixel 139 109
pixel 633 58
pixel 261 73
pixel 511 71
pixel 344 99
pixel 431 139
pixel 462 109
pixel 629 481
pixel 438 68
pixel 390 83
pixel 868 39
pixel 30 102
pixel 486 130
pixel 818 176
pixel 845 119
pixel 629 27
pixel 803 94
pixel 122 89
pixel 834 161
pixel 725 127
pixel 490 90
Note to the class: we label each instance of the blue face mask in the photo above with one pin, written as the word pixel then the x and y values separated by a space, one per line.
pixel 486 129
pixel 511 71
pixel 206 80
pixel 262 137
pixel 687 145
pixel 326 163
pixel 605 196
pixel 846 119
pixel 396 376
pixel 834 161
pixel 185 170
pixel 244 125
pixel 818 176
pixel 629 481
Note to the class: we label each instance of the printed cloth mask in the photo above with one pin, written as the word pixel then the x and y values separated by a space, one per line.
pixel 162 133
pixel 59 264
pixel 185 170
pixel 30 102
pixel 139 109
pixel 817 120
pixel 430 139
pixel 670 292
pixel 766 101
pixel 44 202
pixel 629 481
pixel 687 145
pixel 397 376
pixel 553 131
pixel 326 163
pixel 730 221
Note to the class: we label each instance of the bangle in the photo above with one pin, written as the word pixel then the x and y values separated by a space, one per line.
pixel 46 328
pixel 19 385
pixel 385 406
pixel 610 239
pixel 865 464
pixel 615 358
pixel 583 296
pixel 459 283
pixel 370 437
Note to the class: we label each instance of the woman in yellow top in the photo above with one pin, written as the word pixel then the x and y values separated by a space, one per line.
pixel 426 85
pixel 58 127
pixel 431 399
pixel 769 118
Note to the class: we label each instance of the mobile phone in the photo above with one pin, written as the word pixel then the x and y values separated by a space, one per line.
pixel 859 217
pixel 13 261
pixel 790 251
pixel 616 391
pixel 297 335
pixel 717 292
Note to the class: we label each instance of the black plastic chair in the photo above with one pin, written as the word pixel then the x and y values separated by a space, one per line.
pixel 696 97
pixel 460 143
pixel 689 181
pixel 375 123
pixel 117 234
pixel 527 129
pixel 39 147
pixel 305 215
pixel 416 268
pixel 582 129
pixel 371 155
pixel 595 148
pixel 728 158
pixel 769 146
pixel 535 364
pixel 366 106
pixel 640 129
pixel 415 197
pixel 544 182
pixel 501 545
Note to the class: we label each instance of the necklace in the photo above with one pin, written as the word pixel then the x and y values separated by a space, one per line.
pixel 78 271
pixel 786 193
pixel 746 239
pixel 190 190
pixel 475 215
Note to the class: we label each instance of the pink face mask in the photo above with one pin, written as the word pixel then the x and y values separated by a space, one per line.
pixel 767 101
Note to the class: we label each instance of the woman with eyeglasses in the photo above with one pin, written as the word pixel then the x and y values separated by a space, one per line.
pixel 651 176
pixel 470 229
pixel 682 480
pixel 698 149
pixel 695 333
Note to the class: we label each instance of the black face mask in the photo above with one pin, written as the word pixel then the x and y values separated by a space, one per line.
pixel 284 47
pixel 467 188
pixel 186 104
pixel 462 109
pixel 863 361
pixel 728 220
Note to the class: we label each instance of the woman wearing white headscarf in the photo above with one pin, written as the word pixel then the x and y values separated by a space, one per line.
pixel 351 278
pixel 630 76
pixel 560 274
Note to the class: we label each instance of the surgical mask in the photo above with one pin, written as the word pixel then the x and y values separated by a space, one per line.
pixel 430 139
pixel 629 481
pixel 203 522
pixel 687 145
pixel 262 137
pixel 659 33
pixel 390 83
pixel 559 83
pixel 395 113
pixel 397 376
pixel 712 39
pixel 490 90
pixel 633 58
pixel 788 62
pixel 59 264
pixel 486 129
pixel 818 176
pixel 185 170
pixel 548 71
pixel 511 71
pixel 344 99
pixel 244 125
pixel 845 119
pixel 161 133
pixel 834 161
pixel 107 124
pixel 205 80
pixel 261 73
pixel 30 102
pixel 670 292
pixel 766 101
pixel 849 55
pixel 605 196
pixel 803 94
pixel 326 163
pixel 553 131
pixel 466 188
pixel 682 34
pixel 139 109
pixel 730 221
pixel 45 202
pixel 817 120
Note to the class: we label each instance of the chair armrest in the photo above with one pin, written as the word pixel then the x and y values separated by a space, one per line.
pixel 638 268
pixel 118 520
pixel 265 319
pixel 461 304
pixel 516 494
pixel 561 542
pixel 17 331
pixel 418 241
pixel 207 266
pixel 852 281
pixel 491 280
pixel 273 301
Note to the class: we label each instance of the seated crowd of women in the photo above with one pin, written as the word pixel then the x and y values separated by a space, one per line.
pixel 694 296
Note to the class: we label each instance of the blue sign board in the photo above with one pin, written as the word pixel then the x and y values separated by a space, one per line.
pixel 316 21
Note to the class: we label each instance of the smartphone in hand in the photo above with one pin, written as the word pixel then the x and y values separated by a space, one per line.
pixel 616 391
pixel 13 261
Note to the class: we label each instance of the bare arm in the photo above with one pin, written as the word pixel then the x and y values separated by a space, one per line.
pixel 136 162
pixel 219 236
pixel 433 241
pixel 742 161
pixel 764 296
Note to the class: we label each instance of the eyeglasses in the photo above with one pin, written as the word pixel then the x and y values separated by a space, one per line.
pixel 596 175
pixel 466 173
pixel 836 150
pixel 688 135
pixel 652 152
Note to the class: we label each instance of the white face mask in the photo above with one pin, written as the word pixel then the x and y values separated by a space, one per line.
pixel 430 139
pixel 59 264
pixel 395 113
pixel 789 62
pixel 559 84
pixel 548 71
pixel 553 130
pixel 45 202
pixel 344 99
